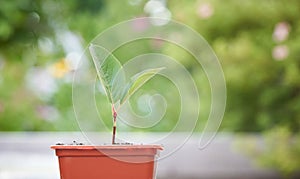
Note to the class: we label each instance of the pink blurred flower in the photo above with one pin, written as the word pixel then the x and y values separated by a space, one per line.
pixel 205 10
pixel 48 113
pixel 281 31
pixel 157 43
pixel 280 52
pixel 140 24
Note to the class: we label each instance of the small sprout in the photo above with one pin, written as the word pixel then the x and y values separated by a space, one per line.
pixel 112 77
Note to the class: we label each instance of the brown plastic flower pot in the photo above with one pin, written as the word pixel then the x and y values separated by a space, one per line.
pixel 114 161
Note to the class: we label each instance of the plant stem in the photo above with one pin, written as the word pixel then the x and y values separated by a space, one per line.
pixel 114 124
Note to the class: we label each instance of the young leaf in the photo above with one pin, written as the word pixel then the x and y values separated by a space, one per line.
pixel 137 81
pixel 112 77
pixel 107 67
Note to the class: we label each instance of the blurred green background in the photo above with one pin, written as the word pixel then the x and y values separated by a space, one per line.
pixel 257 43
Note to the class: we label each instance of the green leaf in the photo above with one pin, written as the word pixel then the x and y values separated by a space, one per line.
pixel 108 67
pixel 137 81
pixel 112 75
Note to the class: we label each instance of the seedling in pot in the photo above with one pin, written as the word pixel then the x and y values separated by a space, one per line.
pixel 111 75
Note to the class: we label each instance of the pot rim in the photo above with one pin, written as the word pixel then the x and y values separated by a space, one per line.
pixel 99 147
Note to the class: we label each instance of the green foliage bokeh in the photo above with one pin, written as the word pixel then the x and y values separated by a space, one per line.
pixel 262 92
